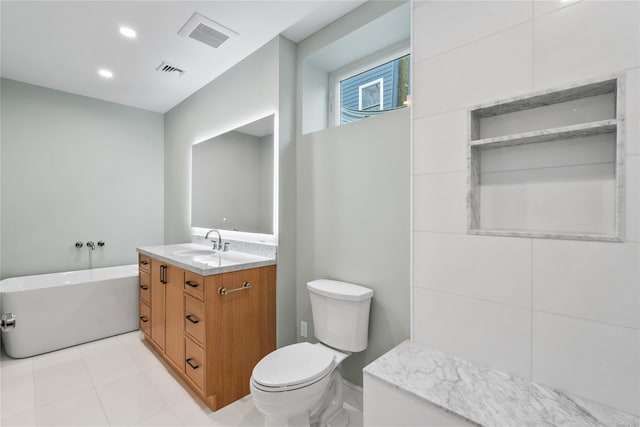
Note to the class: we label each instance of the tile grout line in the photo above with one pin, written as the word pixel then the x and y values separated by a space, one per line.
pixel 585 319
pixel 95 388
pixel 146 375
pixel 471 297
pixel 467 44
pixel 531 315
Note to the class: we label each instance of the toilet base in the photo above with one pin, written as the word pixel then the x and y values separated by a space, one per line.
pixel 328 412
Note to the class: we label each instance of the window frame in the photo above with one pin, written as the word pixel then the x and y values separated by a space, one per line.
pixel 381 57
pixel 380 93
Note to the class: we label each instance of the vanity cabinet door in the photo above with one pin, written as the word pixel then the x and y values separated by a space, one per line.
pixel 157 302
pixel 174 315
pixel 240 328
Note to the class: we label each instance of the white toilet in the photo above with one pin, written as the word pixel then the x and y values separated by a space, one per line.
pixel 299 385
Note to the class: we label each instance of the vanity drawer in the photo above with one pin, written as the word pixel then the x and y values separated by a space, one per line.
pixel 194 363
pixel 145 287
pixel 194 318
pixel 145 318
pixel 194 284
pixel 144 263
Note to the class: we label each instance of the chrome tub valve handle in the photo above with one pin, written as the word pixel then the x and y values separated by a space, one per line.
pixel 7 322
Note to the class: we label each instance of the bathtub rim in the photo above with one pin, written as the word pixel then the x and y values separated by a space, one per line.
pixel 75 277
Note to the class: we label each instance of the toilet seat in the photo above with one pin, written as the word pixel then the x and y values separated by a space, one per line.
pixel 292 367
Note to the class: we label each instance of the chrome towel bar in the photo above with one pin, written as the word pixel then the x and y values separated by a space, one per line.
pixel 223 291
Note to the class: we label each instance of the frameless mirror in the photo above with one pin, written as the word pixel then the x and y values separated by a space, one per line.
pixel 232 179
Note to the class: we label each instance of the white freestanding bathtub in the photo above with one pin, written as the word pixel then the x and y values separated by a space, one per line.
pixel 58 310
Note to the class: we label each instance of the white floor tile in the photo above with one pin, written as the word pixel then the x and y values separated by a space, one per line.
pixel 172 389
pixel 193 413
pixel 26 419
pixel 10 368
pixel 151 396
pixel 108 361
pixel 61 381
pixel 17 396
pixel 83 409
pixel 165 418
pixel 56 358
pixel 130 400
pixel 144 357
pixel 242 413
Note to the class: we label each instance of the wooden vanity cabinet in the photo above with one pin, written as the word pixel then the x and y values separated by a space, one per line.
pixel 144 268
pixel 213 329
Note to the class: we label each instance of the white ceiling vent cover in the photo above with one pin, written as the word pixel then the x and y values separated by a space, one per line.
pixel 167 68
pixel 206 31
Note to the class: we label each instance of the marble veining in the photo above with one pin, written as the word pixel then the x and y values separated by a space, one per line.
pixel 475 147
pixel 544 135
pixel 551 96
pixel 267 250
pixel 486 396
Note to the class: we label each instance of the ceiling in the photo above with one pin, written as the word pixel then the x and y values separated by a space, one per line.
pixel 63 44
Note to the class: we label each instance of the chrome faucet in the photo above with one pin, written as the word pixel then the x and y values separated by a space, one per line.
pixel 91 245
pixel 218 244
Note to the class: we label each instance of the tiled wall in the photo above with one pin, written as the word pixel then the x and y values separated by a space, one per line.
pixel 564 313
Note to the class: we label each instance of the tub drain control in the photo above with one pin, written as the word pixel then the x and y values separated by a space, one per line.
pixel 7 322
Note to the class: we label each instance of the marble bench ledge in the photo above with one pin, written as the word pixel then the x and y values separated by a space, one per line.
pixel 486 396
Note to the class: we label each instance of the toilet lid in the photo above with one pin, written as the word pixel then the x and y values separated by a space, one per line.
pixel 292 365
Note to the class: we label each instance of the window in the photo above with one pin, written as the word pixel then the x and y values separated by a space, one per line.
pixel 371 96
pixel 371 89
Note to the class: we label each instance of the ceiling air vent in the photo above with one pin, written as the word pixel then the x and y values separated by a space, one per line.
pixel 205 30
pixel 167 68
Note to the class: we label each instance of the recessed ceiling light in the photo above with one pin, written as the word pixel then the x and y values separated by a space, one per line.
pixel 105 73
pixel 127 32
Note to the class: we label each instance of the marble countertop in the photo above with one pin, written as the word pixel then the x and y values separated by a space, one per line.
pixel 202 260
pixel 486 396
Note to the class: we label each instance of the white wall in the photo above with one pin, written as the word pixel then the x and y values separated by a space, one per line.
pixel 564 313
pixel 353 198
pixel 248 91
pixel 266 182
pixel 76 168
pixel 353 223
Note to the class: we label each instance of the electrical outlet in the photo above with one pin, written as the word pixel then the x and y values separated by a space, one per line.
pixel 303 328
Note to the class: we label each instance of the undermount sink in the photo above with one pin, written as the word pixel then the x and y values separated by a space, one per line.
pixel 218 258
pixel 195 252
pixel 227 257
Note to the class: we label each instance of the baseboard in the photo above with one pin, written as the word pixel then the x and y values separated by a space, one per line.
pixel 352 394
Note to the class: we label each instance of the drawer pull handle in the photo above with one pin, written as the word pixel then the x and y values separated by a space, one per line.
pixel 223 291
pixel 190 283
pixel 191 319
pixel 144 288
pixel 143 262
pixel 191 364
pixel 163 274
pixel 144 319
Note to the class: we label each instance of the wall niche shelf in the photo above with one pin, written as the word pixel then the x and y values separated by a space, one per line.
pixel 549 165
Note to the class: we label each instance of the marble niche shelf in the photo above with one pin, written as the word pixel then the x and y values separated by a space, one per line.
pixel 549 165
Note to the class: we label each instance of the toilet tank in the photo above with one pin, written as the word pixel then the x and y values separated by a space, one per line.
pixel 340 313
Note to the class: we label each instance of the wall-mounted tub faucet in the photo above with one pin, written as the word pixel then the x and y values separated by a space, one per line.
pixel 91 245
pixel 216 245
